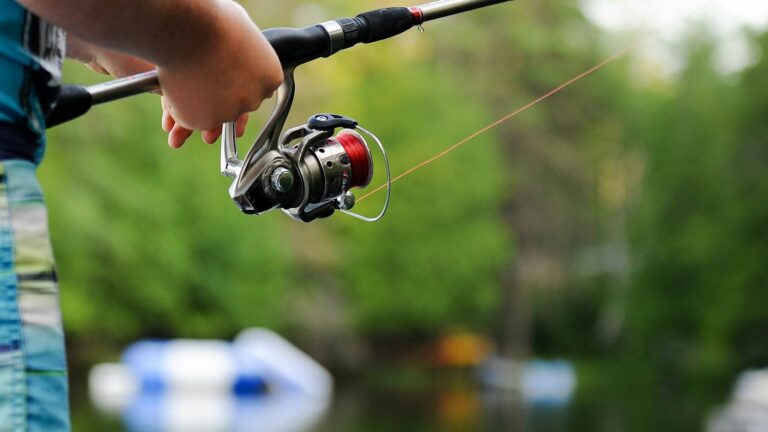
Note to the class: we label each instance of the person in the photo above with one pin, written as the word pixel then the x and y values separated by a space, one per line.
pixel 214 66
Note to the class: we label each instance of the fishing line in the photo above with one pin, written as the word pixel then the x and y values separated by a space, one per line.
pixel 532 103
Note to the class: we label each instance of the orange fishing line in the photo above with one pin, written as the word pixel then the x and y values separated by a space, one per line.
pixel 504 119
pixel 524 108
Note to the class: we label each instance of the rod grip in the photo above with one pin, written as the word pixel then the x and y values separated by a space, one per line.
pixel 73 101
pixel 384 23
pixel 297 46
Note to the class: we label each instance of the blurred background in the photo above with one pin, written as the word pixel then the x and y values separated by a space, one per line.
pixel 599 262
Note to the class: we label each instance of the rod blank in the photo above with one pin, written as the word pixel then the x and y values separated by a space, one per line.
pixel 444 8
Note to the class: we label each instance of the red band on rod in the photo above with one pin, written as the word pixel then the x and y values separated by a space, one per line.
pixel 418 16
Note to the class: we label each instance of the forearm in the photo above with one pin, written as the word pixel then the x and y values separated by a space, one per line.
pixel 165 32
pixel 80 50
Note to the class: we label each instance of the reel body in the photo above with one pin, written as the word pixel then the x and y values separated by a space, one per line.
pixel 307 171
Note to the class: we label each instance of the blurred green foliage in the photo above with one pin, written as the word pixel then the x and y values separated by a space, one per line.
pixel 698 231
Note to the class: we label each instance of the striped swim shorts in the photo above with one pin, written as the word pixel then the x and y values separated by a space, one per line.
pixel 33 371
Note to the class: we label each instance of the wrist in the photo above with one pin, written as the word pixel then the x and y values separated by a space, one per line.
pixel 80 50
pixel 204 35
pixel 220 71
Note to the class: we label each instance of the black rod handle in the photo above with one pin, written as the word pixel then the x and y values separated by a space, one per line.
pixel 73 102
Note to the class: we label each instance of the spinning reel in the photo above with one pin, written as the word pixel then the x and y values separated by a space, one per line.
pixel 308 171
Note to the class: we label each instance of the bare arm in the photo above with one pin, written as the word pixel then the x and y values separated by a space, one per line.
pixel 164 32
pixel 213 62
pixel 78 49
pixel 104 60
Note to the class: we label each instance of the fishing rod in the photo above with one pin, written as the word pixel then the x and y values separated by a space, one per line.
pixel 308 170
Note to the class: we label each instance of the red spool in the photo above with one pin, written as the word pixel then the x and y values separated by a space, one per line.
pixel 360 159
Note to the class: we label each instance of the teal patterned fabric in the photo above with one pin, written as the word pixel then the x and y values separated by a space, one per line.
pixel 31 55
pixel 14 62
pixel 33 370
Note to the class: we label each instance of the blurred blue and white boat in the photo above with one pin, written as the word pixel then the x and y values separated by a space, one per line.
pixel 747 411
pixel 539 382
pixel 258 382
